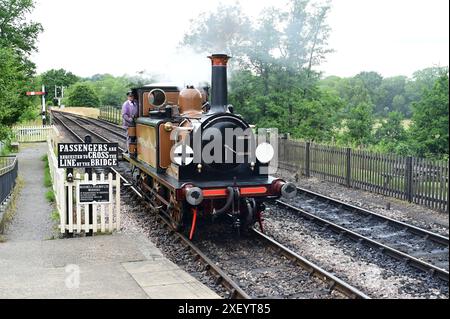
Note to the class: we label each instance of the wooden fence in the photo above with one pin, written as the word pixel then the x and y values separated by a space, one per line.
pixel 30 134
pixel 76 216
pixel 111 114
pixel 417 180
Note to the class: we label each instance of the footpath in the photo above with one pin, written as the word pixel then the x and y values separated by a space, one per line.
pixel 34 265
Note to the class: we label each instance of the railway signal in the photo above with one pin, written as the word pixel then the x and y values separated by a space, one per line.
pixel 36 93
pixel 41 93
pixel 59 94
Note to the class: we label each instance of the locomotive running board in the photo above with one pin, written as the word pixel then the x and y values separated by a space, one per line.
pixel 173 184
pixel 166 180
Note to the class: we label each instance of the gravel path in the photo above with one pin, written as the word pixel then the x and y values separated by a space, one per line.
pixel 32 218
pixel 407 212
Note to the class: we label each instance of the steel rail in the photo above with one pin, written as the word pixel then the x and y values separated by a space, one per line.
pixel 226 281
pixel 359 210
pixel 84 128
pixel 221 277
pixel 413 261
pixel 314 270
pixel 108 122
pixel 79 138
pixel 96 122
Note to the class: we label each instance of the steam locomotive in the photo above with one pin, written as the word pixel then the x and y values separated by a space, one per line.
pixel 194 158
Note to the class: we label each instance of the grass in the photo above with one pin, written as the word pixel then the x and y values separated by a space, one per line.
pixel 55 216
pixel 6 150
pixel 50 196
pixel 47 176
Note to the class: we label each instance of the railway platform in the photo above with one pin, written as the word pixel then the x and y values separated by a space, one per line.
pixel 120 265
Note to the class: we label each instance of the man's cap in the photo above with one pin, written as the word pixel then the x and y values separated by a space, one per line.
pixel 130 93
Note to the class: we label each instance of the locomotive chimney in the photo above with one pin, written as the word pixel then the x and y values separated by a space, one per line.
pixel 219 91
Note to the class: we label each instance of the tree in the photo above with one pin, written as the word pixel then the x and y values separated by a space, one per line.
pixel 359 125
pixel 389 89
pixel 82 94
pixel 305 38
pixel 18 33
pixel 60 77
pixel 429 130
pixel 275 84
pixel 225 31
pixel 110 90
pixel 391 135
pixel 17 42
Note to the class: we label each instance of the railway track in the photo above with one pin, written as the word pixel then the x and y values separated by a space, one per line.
pixel 110 128
pixel 418 247
pixel 79 127
pixel 286 261
pixel 287 265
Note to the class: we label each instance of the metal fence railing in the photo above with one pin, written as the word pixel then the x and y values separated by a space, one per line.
pixel 418 180
pixel 8 174
pixel 111 114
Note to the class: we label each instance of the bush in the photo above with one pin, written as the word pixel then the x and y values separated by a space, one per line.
pixel 82 94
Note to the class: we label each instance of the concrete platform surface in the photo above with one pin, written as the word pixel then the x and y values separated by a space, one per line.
pixel 121 265
pixel 110 266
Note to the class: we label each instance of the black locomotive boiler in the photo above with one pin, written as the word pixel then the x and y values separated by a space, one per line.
pixel 194 158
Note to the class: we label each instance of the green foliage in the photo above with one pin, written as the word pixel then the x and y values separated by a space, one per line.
pixel 82 94
pixel 275 85
pixel 47 177
pixel 6 150
pixel 359 125
pixel 293 38
pixel 392 94
pixel 12 85
pixel 55 216
pixel 17 42
pixel 392 136
pixel 15 31
pixel 429 131
pixel 111 90
pixel 50 196
pixel 59 77
pixel 392 100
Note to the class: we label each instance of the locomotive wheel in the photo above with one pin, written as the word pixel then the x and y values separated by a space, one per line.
pixel 175 213
pixel 250 217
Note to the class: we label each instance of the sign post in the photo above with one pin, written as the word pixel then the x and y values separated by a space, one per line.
pixel 88 140
pixel 43 110
pixel 44 113
pixel 88 155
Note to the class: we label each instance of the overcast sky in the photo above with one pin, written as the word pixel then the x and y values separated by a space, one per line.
pixel 392 37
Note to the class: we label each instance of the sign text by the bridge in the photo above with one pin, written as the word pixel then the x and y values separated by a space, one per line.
pixel 83 155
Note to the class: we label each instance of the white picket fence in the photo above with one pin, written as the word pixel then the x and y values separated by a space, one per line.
pixel 30 134
pixel 105 216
